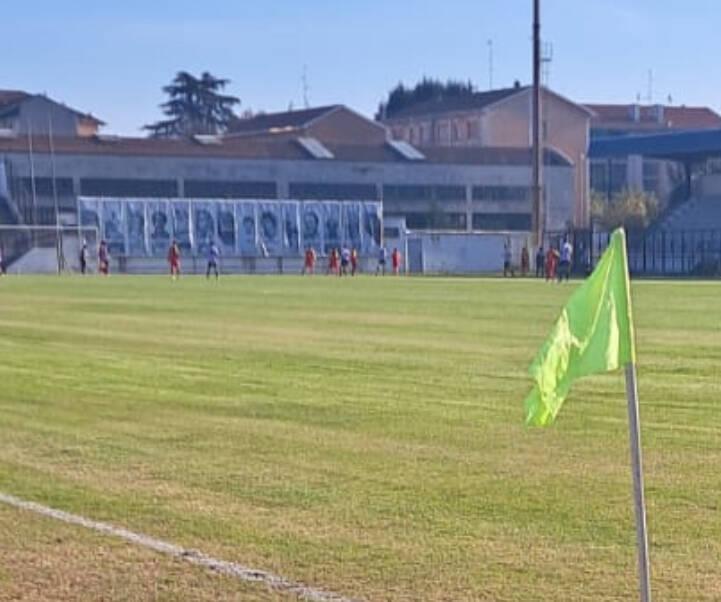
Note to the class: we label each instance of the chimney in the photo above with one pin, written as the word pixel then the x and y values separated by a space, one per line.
pixel 635 111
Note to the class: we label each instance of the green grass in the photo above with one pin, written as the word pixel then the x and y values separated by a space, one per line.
pixel 365 436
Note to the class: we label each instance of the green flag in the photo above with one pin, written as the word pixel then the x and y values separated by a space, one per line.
pixel 593 334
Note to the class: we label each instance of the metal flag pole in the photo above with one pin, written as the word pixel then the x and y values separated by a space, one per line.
pixel 634 432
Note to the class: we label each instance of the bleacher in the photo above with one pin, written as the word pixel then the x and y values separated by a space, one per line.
pixel 698 213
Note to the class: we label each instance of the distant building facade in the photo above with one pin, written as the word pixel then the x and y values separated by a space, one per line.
pixel 23 113
pixel 657 176
pixel 499 119
pixel 330 153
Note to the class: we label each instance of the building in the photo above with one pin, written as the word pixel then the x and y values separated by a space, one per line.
pixel 330 153
pixel 502 119
pixel 659 176
pixel 24 113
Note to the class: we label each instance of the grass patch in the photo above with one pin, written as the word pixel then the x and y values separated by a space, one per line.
pixel 363 435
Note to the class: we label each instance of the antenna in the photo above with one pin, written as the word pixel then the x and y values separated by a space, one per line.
pixel 305 86
pixel 490 64
pixel 650 87
pixel 546 59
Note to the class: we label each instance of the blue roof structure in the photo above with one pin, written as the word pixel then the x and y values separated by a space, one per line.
pixel 686 147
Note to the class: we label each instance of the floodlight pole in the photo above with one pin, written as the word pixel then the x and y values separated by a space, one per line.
pixel 634 432
pixel 537 147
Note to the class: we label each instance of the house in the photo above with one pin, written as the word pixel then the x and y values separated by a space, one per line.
pixel 23 113
pixel 503 118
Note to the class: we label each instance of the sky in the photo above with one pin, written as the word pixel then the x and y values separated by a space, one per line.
pixel 113 58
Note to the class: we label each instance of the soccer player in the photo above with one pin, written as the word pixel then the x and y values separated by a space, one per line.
pixel 396 261
pixel 507 257
pixel 103 258
pixel 564 266
pixel 213 254
pixel 333 261
pixel 539 262
pixel 382 255
pixel 174 259
pixel 83 257
pixel 353 261
pixel 309 264
pixel 551 261
pixel 525 261
pixel 344 261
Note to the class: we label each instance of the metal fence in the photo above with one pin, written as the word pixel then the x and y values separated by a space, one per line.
pixel 650 252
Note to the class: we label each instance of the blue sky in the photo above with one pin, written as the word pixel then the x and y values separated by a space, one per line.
pixel 112 58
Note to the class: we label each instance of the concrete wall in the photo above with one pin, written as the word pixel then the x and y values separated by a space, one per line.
pixel 461 253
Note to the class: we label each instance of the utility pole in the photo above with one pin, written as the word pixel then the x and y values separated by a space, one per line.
pixel 537 147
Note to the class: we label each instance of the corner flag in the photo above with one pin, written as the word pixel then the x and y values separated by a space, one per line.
pixel 594 333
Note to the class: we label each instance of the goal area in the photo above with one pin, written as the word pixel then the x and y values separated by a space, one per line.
pixel 47 249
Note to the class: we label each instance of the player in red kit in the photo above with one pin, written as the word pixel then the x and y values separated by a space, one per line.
pixel 353 261
pixel 396 261
pixel 174 260
pixel 309 264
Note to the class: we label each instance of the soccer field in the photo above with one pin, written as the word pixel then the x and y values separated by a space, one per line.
pixel 364 436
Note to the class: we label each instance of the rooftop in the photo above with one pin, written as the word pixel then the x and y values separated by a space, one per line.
pixel 264 148
pixel 650 117
pixel 279 121
pixel 10 99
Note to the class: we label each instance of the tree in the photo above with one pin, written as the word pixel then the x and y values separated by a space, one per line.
pixel 427 89
pixel 629 208
pixel 195 106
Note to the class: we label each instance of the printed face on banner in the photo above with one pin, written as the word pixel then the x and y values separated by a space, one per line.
pixel 135 219
pixel 226 227
pixel 270 229
pixel 311 226
pixel 159 228
pixel 245 218
pixel 204 221
pixel 331 227
pixel 181 225
pixel 291 230
pixel 113 230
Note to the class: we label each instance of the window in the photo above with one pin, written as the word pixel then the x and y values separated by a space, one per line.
pixel 420 192
pixel 517 194
pixel 225 189
pixel 44 186
pixel 332 191
pixel 391 233
pixel 429 220
pixel 502 221
pixel 128 187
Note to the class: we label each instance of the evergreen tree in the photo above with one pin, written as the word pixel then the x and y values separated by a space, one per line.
pixel 195 106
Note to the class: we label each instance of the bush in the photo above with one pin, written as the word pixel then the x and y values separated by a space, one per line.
pixel 629 208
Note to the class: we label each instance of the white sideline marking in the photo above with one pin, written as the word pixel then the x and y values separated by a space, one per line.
pixel 193 556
